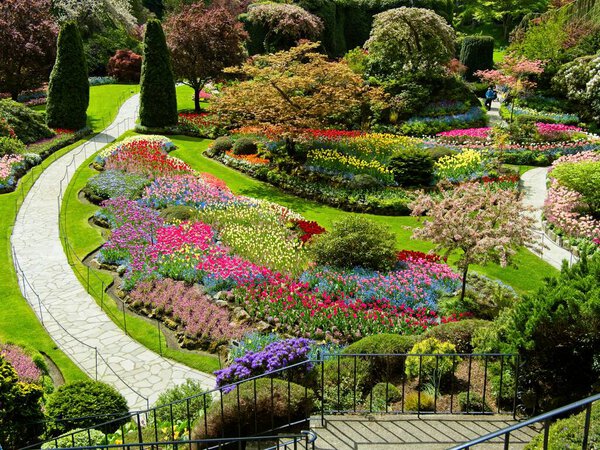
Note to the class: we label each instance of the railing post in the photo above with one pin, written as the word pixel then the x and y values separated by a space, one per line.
pixel 586 426
pixel 322 356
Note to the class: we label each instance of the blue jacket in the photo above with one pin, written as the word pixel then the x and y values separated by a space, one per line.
pixel 490 94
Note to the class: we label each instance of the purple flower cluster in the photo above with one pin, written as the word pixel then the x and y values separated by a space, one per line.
pixel 26 369
pixel 273 357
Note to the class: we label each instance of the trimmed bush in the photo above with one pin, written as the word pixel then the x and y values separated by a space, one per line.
pixel 477 53
pixel 80 439
pixel 356 241
pixel 431 368
pixel 220 146
pixel 272 409
pixel 474 403
pixel 126 66
pixel 27 124
pixel 85 399
pixel 179 393
pixel 244 146
pixel 382 395
pixel 412 168
pixel 158 100
pixel 69 89
pixel 412 403
pixel 11 146
pixel 458 333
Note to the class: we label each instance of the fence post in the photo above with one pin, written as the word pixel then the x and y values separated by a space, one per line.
pixel 124 317
pixel 96 351
pixel 159 340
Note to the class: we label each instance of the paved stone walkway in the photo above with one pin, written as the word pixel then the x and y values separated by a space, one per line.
pixel 429 432
pixel 71 316
pixel 534 187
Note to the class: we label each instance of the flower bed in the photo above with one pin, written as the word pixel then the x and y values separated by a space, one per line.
pixel 27 370
pixel 13 167
pixel 256 250
pixel 543 116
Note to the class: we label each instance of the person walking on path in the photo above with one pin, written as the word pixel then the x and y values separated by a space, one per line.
pixel 490 96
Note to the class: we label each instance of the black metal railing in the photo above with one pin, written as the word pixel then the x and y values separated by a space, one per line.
pixel 285 399
pixel 545 420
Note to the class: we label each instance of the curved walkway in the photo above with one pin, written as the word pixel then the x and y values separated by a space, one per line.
pixel 534 187
pixel 71 316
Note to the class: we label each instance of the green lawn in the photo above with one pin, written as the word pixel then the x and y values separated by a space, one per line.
pixel 83 240
pixel 18 323
pixel 527 278
pixel 185 98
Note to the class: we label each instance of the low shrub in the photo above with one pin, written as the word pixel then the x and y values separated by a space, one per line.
pixel 458 333
pixel 178 213
pixel 244 146
pixel 11 146
pixel 77 438
pixel 113 184
pixel 431 368
pixel 125 66
pixel 381 396
pixel 568 433
pixel 355 241
pixel 412 167
pixel 242 412
pixel 180 408
pixel 345 380
pixel 95 400
pixel 28 125
pixel 472 402
pixel 441 152
pixel 412 402
pixel 220 146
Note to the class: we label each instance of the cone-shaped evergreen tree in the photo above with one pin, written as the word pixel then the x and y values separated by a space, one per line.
pixel 158 101
pixel 69 89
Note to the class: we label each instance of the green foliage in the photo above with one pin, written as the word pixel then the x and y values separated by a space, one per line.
pixel 100 46
pixel 472 402
pixel 273 407
pixel 413 167
pixel 10 146
pixel 244 146
pixel 28 125
pixel 582 177
pixel 69 89
pixel 355 241
pixel 381 396
pixel 220 146
pixel 568 433
pixel 84 399
pixel 158 100
pixel 556 333
pixel 477 53
pixel 413 403
pixel 178 213
pixel 440 152
pixel 357 60
pixel 345 379
pixel 458 333
pixel 77 438
pixel 20 407
pixel 178 395
pixel 430 368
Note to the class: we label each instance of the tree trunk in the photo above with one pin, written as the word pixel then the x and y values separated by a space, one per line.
pixel 512 109
pixel 464 283
pixel 197 99
pixel 14 95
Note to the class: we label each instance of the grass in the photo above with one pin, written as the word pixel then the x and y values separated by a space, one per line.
pixel 18 322
pixel 83 239
pixel 185 99
pixel 521 169
pixel 527 278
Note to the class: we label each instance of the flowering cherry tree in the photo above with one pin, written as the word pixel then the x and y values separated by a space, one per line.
pixel 482 224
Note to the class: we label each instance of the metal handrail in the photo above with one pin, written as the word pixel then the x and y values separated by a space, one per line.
pixel 545 418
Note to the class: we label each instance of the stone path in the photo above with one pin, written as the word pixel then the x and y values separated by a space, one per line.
pixel 534 186
pixel 71 316
pixel 494 114
pixel 429 432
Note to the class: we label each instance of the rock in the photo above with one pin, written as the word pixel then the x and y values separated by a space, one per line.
pixel 240 315
pixel 94 264
pixel 230 297
pixel 221 295
pixel 200 288
pixel 263 327
pixel 222 303
pixel 170 324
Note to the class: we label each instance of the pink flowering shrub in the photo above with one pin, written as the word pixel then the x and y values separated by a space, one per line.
pixel 556 131
pixel 197 314
pixel 469 135
pixel 588 156
pixel 561 210
pixel 23 364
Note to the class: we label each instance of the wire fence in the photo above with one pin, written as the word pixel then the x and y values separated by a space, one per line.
pixel 87 356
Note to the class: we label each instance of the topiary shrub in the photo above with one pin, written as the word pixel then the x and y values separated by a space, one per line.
pixel 11 146
pixel 472 402
pixel 69 89
pixel 125 66
pixel 412 402
pixel 431 368
pixel 25 123
pixel 77 438
pixel 158 100
pixel 85 399
pixel 381 396
pixel 220 146
pixel 244 146
pixel 177 396
pixel 273 408
pixel 355 241
pixel 477 53
pixel 383 367
pixel 458 333
pixel 412 167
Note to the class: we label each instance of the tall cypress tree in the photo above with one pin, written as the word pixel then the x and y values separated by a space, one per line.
pixel 158 100
pixel 69 89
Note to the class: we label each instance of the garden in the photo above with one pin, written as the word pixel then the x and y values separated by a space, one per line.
pixel 317 208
